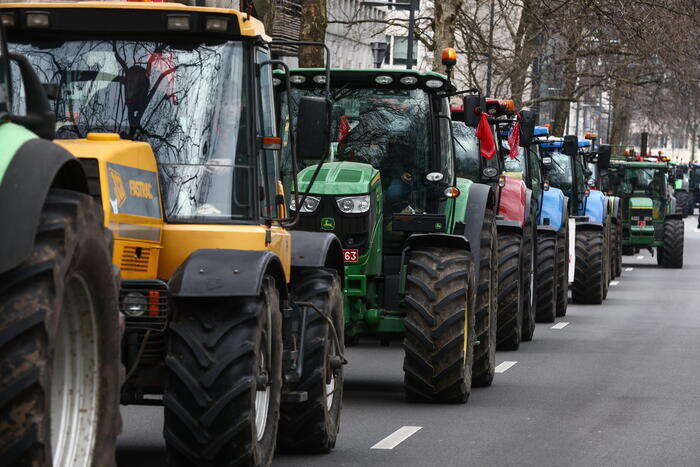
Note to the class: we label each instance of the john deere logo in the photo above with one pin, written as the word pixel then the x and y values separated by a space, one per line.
pixel 438 226
pixel 328 223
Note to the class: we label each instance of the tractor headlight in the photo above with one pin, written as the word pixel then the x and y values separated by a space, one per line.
pixel 134 304
pixel 310 204
pixel 353 204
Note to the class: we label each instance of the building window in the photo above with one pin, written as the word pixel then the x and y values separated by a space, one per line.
pixel 397 53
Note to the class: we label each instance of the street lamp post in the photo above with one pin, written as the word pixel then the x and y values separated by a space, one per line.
pixel 411 6
pixel 378 52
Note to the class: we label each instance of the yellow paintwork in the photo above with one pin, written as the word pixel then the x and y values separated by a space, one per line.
pixel 179 240
pixel 108 147
pixel 518 175
pixel 248 25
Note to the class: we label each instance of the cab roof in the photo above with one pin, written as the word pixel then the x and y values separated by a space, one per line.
pixel 639 164
pixel 130 17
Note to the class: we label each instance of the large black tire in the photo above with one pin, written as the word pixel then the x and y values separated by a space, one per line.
pixel 670 255
pixel 684 202
pixel 217 360
pixel 546 277
pixel 589 276
pixel 527 280
pixel 312 426
pixel 607 258
pixel 486 312
pixel 510 313
pixel 440 325
pixel 562 271
pixel 67 282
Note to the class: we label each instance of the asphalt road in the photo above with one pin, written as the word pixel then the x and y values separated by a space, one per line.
pixel 618 385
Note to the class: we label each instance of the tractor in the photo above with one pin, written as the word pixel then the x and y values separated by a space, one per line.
pixel 649 214
pixel 418 240
pixel 59 367
pixel 680 178
pixel 552 253
pixel 233 323
pixel 478 158
pixel 694 185
pixel 588 208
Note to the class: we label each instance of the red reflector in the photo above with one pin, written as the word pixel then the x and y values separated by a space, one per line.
pixel 351 256
pixel 153 302
pixel 641 222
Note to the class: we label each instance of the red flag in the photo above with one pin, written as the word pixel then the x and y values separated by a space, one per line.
pixel 487 143
pixel 514 140
pixel 343 128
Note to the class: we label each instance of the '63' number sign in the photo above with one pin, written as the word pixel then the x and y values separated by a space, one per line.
pixel 351 256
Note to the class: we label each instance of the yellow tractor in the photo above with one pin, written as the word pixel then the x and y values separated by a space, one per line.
pixel 232 322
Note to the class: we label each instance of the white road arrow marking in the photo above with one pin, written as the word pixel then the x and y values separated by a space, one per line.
pixel 561 325
pixel 397 437
pixel 628 269
pixel 503 367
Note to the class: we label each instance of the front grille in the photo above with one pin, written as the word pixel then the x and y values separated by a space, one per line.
pixel 645 214
pixel 135 258
pixel 352 229
pixel 153 319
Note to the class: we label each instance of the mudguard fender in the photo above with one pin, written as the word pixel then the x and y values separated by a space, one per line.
pixel 589 225
pixel 36 166
pixel 512 201
pixel 317 250
pixel 553 209
pixel 226 273
pixel 596 206
pixel 439 240
pixel 479 198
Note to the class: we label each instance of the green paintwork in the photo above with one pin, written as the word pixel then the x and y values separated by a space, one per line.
pixel 338 178
pixel 12 137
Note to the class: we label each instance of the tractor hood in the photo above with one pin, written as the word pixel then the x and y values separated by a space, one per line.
pixel 339 178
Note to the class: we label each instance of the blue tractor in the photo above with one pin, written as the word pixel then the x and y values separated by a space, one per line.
pixel 565 163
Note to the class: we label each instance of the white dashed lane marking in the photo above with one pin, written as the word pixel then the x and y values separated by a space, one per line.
pixel 561 325
pixel 628 269
pixel 614 282
pixel 397 437
pixel 503 367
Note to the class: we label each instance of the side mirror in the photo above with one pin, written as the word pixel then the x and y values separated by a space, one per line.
pixel 40 119
pixel 312 136
pixel 527 127
pixel 470 103
pixel 604 152
pixel 570 147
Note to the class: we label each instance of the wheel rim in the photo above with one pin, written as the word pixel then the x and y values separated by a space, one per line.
pixel 330 379
pixel 262 399
pixel 75 378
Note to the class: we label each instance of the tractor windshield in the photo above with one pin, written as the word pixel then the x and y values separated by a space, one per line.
pixel 385 128
pixel 189 102
pixel 561 172
pixel 643 181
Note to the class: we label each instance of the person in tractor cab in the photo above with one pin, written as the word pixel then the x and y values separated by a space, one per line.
pixel 396 170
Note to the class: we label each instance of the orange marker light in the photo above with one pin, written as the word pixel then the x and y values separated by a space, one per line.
pixel 452 192
pixel 507 104
pixel 449 56
pixel 153 302
pixel 590 135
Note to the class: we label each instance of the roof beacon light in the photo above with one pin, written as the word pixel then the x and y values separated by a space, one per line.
pixel 409 80
pixel 179 22
pixel 383 79
pixel 590 135
pixel 507 104
pixel 449 57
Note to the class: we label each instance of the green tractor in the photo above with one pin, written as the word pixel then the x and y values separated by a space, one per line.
pixel 60 368
pixel 649 216
pixel 418 241
pixel 679 176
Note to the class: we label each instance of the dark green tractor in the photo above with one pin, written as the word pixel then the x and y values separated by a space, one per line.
pixel 418 241
pixel 649 215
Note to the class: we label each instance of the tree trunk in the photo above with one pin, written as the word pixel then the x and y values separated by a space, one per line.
pixel 622 113
pixel 524 48
pixel 562 108
pixel 265 12
pixel 314 19
pixel 444 29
